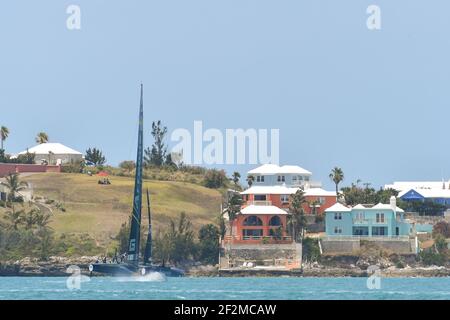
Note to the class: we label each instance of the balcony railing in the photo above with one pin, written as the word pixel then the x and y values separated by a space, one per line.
pixel 259 203
pixel 373 238
pixel 262 239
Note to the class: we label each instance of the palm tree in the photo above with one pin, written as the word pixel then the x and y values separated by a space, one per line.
pixel 232 208
pixel 337 175
pixel 4 133
pixel 296 219
pixel 14 218
pixel 14 185
pixel 250 180
pixel 41 138
pixel 235 178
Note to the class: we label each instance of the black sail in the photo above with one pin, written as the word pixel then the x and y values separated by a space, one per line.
pixel 148 246
pixel 135 230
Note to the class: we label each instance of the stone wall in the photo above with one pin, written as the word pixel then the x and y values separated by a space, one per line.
pixel 268 254
pixel 340 246
pixel 353 246
pixel 8 168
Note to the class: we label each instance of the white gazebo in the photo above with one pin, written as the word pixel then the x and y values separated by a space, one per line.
pixel 53 154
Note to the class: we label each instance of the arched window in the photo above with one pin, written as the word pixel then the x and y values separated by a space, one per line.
pixel 253 221
pixel 275 221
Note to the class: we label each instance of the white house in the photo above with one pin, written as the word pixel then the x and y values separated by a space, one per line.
pixel 53 153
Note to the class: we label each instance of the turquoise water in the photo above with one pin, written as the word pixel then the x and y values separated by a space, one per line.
pixel 224 288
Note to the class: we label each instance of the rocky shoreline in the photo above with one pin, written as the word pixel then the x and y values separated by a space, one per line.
pixel 57 267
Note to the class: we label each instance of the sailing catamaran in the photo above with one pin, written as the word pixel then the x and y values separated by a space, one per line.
pixel 132 266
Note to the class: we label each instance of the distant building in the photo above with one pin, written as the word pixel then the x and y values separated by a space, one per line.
pixel 53 154
pixel 381 220
pixel 290 176
pixel 317 199
pixel 256 224
pixel 435 191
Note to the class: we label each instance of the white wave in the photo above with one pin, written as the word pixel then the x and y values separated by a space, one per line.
pixel 149 277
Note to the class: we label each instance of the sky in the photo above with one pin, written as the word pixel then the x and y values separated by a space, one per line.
pixel 373 102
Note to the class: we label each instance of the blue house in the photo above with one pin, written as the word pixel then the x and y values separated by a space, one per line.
pixel 440 196
pixel 382 220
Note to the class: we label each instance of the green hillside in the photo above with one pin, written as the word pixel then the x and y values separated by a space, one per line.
pixel 100 210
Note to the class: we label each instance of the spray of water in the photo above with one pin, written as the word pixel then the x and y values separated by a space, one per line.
pixel 149 277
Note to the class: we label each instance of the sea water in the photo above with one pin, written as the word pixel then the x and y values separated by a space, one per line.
pixel 155 287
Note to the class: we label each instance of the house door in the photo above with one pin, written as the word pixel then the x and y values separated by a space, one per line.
pixel 397 231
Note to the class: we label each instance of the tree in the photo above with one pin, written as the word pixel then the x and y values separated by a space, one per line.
pixel 337 175
pixel 14 185
pixel 162 248
pixel 4 133
pixel 128 165
pixel 41 138
pixel 156 156
pixel 232 208
pixel 27 158
pixel 208 237
pixel 122 238
pixel 441 228
pixel 235 178
pixel 215 179
pixel 182 238
pixel 250 180
pixel 13 218
pixel 95 157
pixel 296 219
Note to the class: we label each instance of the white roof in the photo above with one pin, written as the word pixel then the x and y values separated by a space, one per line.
pixel 429 193
pixel 359 206
pixel 270 190
pixel 252 209
pixel 337 207
pixel 382 206
pixel 408 185
pixel 55 148
pixel 270 169
pixel 319 192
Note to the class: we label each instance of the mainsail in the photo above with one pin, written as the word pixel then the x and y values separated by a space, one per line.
pixel 148 246
pixel 135 230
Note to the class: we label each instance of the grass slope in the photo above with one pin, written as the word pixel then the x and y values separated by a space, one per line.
pixel 99 210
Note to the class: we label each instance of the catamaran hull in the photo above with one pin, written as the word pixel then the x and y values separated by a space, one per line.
pixel 121 270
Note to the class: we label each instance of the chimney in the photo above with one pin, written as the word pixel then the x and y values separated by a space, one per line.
pixel 393 202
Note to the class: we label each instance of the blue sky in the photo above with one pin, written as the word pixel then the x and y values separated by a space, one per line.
pixel 375 103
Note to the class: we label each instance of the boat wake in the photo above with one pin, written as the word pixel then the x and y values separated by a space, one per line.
pixel 149 277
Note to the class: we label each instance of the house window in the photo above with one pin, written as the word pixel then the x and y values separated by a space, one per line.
pixel 360 216
pixel 379 231
pixel 262 178
pixel 300 178
pixel 275 221
pixel 337 216
pixel 253 221
pixel 284 198
pixel 258 178
pixel 380 218
pixel 252 233
pixel 260 197
pixel 281 178
pixel 306 178
pixel 337 230
pixel 321 200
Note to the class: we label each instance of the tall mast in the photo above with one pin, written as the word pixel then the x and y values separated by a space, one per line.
pixel 135 229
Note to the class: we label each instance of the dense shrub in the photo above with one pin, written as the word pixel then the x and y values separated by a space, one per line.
pixel 215 179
